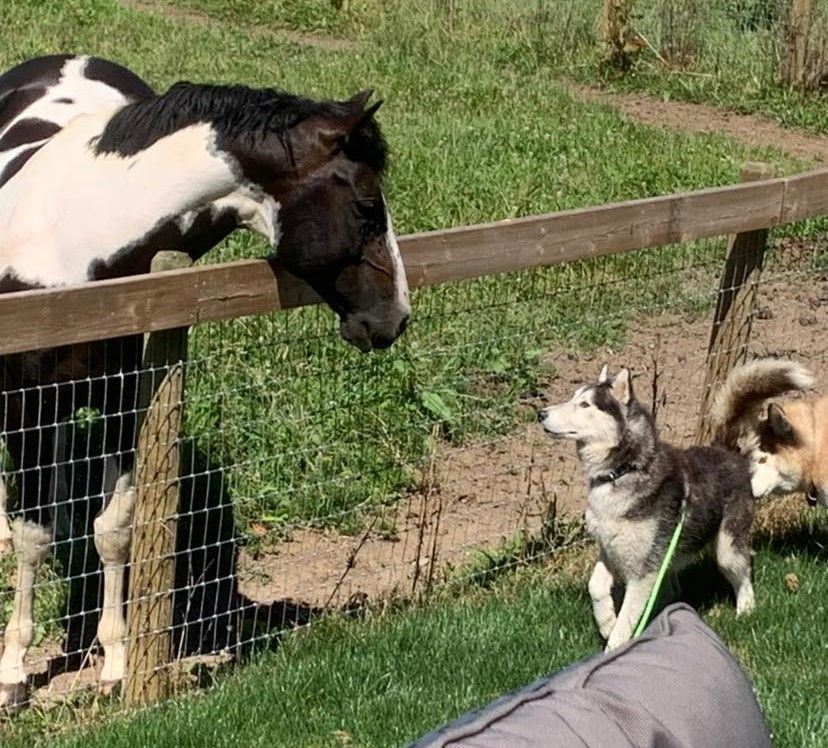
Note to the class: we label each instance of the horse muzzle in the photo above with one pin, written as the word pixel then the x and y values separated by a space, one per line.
pixel 366 334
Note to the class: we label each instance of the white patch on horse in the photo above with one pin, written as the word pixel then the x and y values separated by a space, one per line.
pixel 186 220
pixel 255 210
pixel 46 235
pixel 400 278
pixel 87 96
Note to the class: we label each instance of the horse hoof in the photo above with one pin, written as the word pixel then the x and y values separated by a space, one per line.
pixel 13 697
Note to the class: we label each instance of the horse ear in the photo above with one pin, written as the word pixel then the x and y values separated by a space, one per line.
pixel 371 111
pixel 332 131
pixel 622 387
pixel 359 114
pixel 358 101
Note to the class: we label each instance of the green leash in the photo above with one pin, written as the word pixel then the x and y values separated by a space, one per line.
pixel 665 564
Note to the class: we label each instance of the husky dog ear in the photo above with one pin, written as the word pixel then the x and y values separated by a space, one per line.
pixel 622 387
pixel 779 424
pixel 604 377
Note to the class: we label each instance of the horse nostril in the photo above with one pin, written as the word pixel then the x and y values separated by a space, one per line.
pixel 541 414
pixel 403 325
pixel 381 342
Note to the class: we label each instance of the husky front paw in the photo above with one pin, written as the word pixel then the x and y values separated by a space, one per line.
pixel 616 639
pixel 745 602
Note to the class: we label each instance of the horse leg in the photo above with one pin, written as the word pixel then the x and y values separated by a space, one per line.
pixel 113 533
pixel 31 538
pixel 113 526
pixel 31 544
pixel 6 545
pixel 59 486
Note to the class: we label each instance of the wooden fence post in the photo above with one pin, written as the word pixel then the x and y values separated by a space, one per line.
pixel 152 557
pixel 799 30
pixel 618 39
pixel 730 334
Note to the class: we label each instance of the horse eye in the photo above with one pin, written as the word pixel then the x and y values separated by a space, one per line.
pixel 584 404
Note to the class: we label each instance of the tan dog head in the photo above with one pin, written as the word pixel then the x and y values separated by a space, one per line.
pixel 788 453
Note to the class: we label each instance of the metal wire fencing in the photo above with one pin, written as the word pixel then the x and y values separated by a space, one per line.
pixel 311 477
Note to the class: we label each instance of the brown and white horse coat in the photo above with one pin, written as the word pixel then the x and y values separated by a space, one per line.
pixel 97 174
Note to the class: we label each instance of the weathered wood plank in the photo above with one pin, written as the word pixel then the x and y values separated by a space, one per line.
pixel 806 195
pixel 179 298
pixel 469 252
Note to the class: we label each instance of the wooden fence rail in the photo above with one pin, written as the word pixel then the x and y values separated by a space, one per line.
pixel 181 298
pixel 177 299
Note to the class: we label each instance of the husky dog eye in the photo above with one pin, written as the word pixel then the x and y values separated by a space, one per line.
pixel 584 404
pixel 762 460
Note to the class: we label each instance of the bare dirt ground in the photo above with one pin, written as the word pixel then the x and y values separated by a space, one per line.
pixel 482 495
pixel 750 129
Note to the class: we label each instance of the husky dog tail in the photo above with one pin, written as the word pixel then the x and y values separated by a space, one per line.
pixel 736 408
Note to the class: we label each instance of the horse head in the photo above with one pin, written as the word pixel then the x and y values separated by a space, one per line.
pixel 324 176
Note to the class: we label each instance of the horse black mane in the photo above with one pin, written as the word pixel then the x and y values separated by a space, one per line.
pixel 234 111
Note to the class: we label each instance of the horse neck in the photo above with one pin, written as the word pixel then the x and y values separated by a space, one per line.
pixel 180 172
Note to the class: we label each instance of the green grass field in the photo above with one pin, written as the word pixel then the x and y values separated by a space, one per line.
pixel 387 678
pixel 308 430
pixel 725 52
pixel 729 53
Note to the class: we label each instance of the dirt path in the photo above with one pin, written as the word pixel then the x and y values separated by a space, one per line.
pixel 483 494
pixel 203 20
pixel 750 129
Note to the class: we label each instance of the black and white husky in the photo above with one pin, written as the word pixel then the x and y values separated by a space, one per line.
pixel 638 486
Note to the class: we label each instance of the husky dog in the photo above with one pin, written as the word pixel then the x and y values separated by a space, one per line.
pixel 786 440
pixel 638 486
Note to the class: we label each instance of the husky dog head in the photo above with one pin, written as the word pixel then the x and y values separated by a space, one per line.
pixel 784 456
pixel 600 417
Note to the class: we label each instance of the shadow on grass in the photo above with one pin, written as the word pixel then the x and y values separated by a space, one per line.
pixel 210 615
pixel 703 586
pixel 809 538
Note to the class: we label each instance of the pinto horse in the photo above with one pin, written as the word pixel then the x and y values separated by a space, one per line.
pixel 97 174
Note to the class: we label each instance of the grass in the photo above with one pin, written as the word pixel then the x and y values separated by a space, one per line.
pixel 724 52
pixel 308 430
pixel 385 679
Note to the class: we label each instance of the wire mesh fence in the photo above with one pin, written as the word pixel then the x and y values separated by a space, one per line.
pixel 312 478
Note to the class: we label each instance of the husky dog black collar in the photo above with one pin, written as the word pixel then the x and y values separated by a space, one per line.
pixel 611 476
